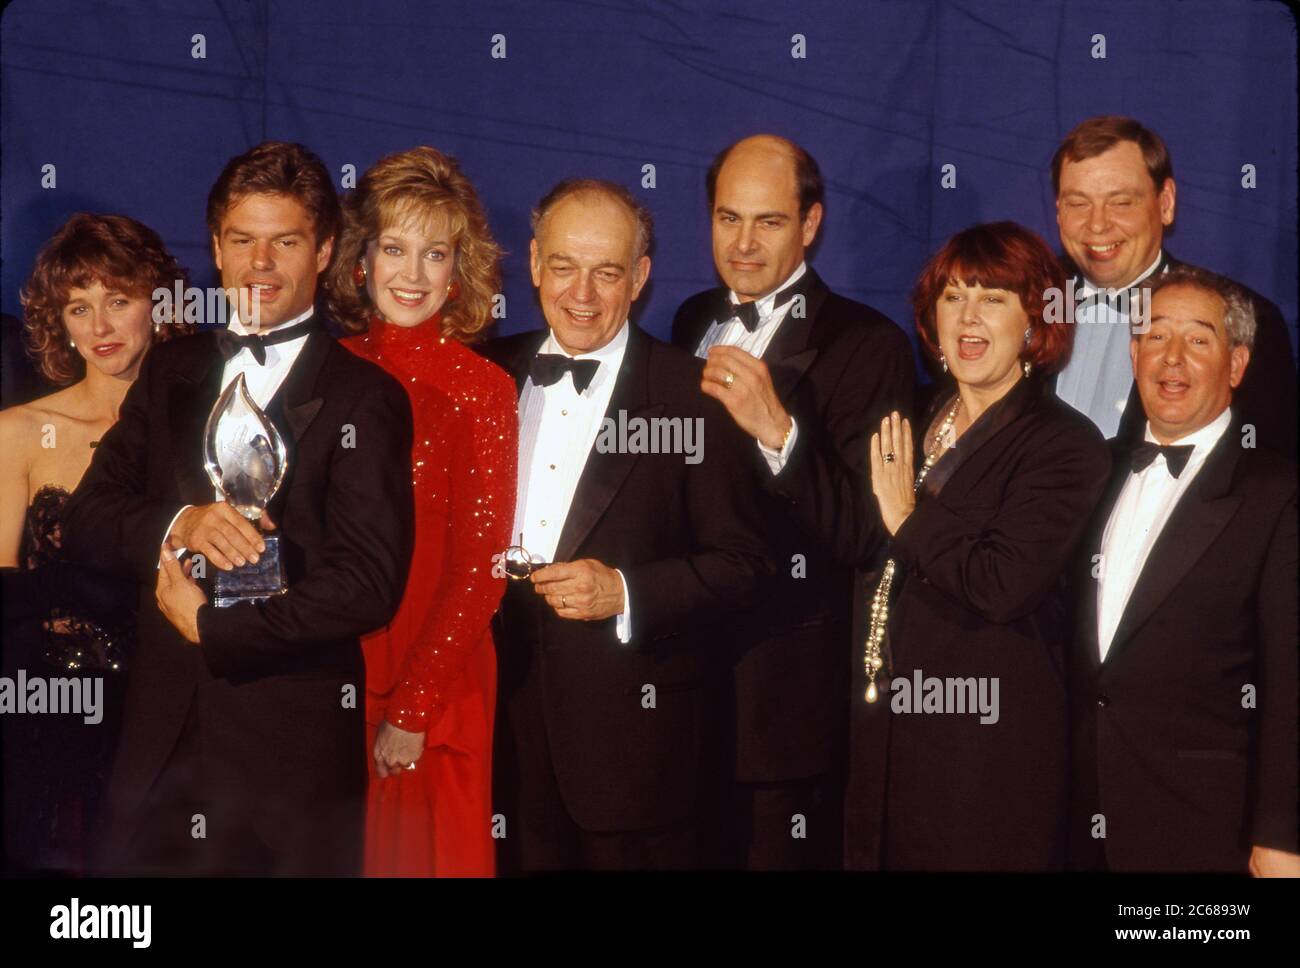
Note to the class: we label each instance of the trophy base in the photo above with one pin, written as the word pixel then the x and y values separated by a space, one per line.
pixel 252 583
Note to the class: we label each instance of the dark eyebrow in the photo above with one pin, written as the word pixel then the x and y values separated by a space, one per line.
pixel 1119 191
pixel 296 233
pixel 723 210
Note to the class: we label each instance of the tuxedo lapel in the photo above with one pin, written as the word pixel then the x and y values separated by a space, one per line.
pixel 189 402
pixel 297 396
pixel 1197 519
pixel 517 362
pixel 1088 575
pixel 793 348
pixel 970 458
pixel 704 319
pixel 604 473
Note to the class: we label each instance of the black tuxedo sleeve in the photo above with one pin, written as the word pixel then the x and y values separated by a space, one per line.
pixel 726 560
pixel 110 523
pixel 359 581
pixel 1274 820
pixel 1003 569
pixel 826 479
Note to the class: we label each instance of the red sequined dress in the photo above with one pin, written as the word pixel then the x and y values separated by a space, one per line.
pixel 433 669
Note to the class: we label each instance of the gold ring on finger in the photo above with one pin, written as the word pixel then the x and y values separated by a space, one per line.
pixel 889 457
pixel 729 380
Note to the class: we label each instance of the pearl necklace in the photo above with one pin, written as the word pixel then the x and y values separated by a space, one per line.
pixel 872 659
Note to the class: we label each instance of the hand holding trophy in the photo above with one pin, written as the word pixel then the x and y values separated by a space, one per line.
pixel 246 460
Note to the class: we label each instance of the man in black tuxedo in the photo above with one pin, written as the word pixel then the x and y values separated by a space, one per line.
pixel 1185 665
pixel 243 747
pixel 806 374
pixel 603 655
pixel 1115 198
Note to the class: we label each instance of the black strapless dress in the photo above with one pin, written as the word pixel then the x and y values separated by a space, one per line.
pixel 61 621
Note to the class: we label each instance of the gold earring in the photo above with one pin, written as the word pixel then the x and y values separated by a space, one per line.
pixel 1027 367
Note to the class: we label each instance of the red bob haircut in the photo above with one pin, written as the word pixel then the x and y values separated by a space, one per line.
pixel 999 255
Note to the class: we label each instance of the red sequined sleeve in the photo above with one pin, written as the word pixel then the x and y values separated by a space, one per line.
pixel 476 516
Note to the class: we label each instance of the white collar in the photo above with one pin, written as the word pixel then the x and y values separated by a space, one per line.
pixel 1088 287
pixel 767 304
pixel 1202 440
pixel 239 329
pixel 611 353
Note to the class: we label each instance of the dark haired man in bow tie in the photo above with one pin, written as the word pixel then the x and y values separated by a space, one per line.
pixel 1115 202
pixel 243 748
pixel 805 374
pixel 603 653
pixel 1185 664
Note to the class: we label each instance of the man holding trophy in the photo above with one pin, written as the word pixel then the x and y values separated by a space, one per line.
pixel 277 465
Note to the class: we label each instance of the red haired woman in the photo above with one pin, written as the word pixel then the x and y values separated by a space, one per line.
pixel 416 264
pixel 959 742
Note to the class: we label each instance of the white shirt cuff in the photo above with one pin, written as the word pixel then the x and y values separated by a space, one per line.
pixel 623 623
pixel 170 525
pixel 776 458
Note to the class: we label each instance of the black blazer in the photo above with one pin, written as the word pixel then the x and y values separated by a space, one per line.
pixel 1187 773
pixel 1266 397
pixel 838 371
pixel 978 593
pixel 266 685
pixel 685 538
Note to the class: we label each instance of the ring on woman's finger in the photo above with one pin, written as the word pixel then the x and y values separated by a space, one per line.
pixel 409 766
pixel 729 380
pixel 564 602
pixel 889 457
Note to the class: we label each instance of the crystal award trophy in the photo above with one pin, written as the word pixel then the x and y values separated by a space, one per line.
pixel 245 457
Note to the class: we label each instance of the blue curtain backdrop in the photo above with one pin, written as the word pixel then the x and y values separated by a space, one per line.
pixel 888 92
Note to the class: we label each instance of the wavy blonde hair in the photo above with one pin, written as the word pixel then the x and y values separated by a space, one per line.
pixel 421 183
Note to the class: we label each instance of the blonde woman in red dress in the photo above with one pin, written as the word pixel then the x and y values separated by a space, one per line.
pixel 415 271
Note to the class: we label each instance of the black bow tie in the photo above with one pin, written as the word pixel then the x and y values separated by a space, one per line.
pixel 231 343
pixel 1121 301
pixel 747 312
pixel 1176 456
pixel 547 368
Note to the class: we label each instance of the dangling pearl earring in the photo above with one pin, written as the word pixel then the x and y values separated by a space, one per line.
pixel 72 343
pixel 1029 331
pixel 943 361
pixel 1027 367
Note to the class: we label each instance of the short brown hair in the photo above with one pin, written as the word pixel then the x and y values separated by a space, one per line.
pixel 1097 135
pixel 998 255
pixel 572 187
pixel 117 252
pixel 807 174
pixel 278 168
pixel 421 183
pixel 1239 309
